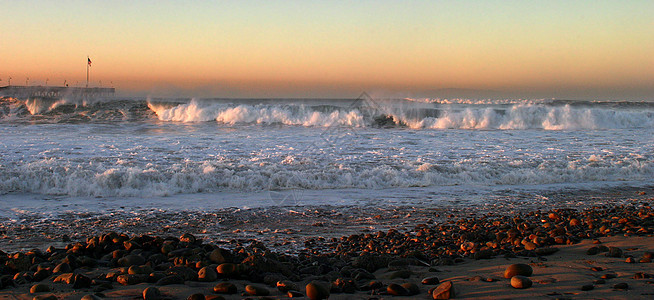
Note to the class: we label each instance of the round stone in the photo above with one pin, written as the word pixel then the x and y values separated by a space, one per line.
pixel 226 269
pixel 256 290
pixel 518 269
pixel 520 282
pixel 397 290
pixel 39 288
pixel 316 291
pixel 207 274
pixel 430 280
pixel 151 293
pixel 225 288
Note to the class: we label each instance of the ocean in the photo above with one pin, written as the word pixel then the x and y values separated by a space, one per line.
pixel 174 155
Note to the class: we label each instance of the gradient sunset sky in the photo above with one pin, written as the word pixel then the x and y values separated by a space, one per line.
pixel 545 49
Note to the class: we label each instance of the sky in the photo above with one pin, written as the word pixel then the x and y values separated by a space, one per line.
pixel 531 49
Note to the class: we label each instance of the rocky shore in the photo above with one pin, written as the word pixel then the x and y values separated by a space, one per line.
pixel 593 252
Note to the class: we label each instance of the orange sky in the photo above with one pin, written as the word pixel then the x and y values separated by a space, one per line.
pixel 578 49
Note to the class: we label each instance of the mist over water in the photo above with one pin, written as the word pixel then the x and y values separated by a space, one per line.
pixel 141 148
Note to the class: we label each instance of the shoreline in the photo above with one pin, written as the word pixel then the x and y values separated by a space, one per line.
pixel 389 249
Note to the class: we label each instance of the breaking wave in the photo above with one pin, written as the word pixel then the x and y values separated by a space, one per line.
pixel 409 113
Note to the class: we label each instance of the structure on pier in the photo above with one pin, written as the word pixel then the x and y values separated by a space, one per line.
pixel 55 92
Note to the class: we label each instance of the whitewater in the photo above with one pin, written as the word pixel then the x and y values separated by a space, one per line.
pixel 216 153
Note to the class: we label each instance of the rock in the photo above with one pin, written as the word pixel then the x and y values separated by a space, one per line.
pixel 599 281
pixel 131 279
pixel 285 286
pixel 630 260
pixel 430 280
pixel 483 254
pixel 444 291
pixel 207 274
pixel 592 250
pixel 81 282
pixel 67 278
pixel 520 282
pixel 621 286
pixel 530 246
pixel 185 272
pixel 41 274
pixel 216 256
pixel 187 238
pixel 227 269
pixel 131 260
pixel 45 297
pixel 170 279
pixel 62 268
pixel 518 269
pixel 587 287
pixel 609 276
pixel 214 297
pixel 151 293
pixel 144 269
pixel 90 297
pixel 397 290
pixel 225 288
pixel 597 269
pixel 316 291
pixel 39 288
pixel 197 296
pixel 546 251
pixel 412 288
pixel 614 252
pixel 256 290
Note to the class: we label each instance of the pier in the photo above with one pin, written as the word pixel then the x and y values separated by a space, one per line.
pixel 55 92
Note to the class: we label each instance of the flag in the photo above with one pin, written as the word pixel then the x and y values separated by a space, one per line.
pixel 89 61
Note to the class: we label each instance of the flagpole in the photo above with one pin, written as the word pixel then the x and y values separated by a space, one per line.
pixel 87 71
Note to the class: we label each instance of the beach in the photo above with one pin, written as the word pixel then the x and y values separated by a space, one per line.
pixel 355 253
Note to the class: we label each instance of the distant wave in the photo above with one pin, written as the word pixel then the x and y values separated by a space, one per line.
pixel 424 114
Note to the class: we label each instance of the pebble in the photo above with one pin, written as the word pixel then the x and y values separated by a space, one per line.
pixel 444 291
pixel 518 269
pixel 397 290
pixel 621 286
pixel 412 288
pixel 430 280
pixel 256 290
pixel 587 287
pixel 151 293
pixel 316 291
pixel 171 279
pixel 81 281
pixel 614 252
pixel 90 297
pixel 39 288
pixel 520 282
pixel 225 288
pixel 207 274
pixel 227 269
pixel 294 294
pixel 196 296
pixel 45 297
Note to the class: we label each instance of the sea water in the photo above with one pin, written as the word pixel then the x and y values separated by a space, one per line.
pixel 203 154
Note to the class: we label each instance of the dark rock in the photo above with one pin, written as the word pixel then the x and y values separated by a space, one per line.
pixel 597 269
pixel 216 256
pixel 630 260
pixel 187 238
pixel 317 291
pixel 131 260
pixel 370 262
pixel 483 254
pixel 170 279
pixel 81 282
pixel 90 297
pixel 151 293
pixel 285 286
pixel 397 290
pixel 225 288
pixel 67 278
pixel 39 288
pixel 41 274
pixel 45 297
pixel 256 290
pixel 412 288
pixel 207 274
pixel 520 282
pixel 444 291
pixel 546 251
pixel 609 276
pixel 131 279
pixel 185 272
pixel 587 287
pixel 144 269
pixel 621 286
pixel 518 269
pixel 62 268
pixel 196 296
pixel 614 252
pixel 599 281
pixel 430 280
pixel 227 269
